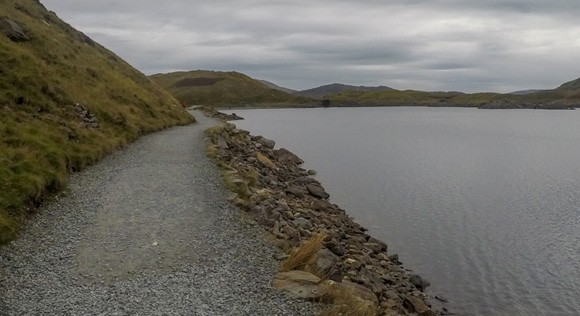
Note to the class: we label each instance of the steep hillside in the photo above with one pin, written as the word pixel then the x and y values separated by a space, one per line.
pixel 526 92
pixel 323 91
pixel 272 85
pixel 65 101
pixel 215 88
pixel 570 85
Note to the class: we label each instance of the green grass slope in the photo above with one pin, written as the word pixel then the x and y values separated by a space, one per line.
pixel 573 85
pixel 565 97
pixel 410 98
pixel 232 89
pixel 65 101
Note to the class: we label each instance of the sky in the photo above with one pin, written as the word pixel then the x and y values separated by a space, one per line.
pixel 436 45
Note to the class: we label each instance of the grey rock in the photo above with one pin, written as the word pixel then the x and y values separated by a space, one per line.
pixel 13 30
pixel 361 291
pixel 395 259
pixel 325 261
pixel 336 248
pixel 418 306
pixel 317 191
pixel 302 223
pixel 268 143
pixel 286 157
pixel 296 191
pixel 221 142
pixel 299 284
pixel 376 247
pixel 420 283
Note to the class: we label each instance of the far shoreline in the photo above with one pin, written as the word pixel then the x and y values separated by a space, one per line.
pixel 274 107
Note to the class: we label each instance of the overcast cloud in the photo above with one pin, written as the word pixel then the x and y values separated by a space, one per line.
pixel 468 45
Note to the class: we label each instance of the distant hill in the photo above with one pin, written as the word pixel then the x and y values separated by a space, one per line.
pixel 323 91
pixel 216 88
pixel 570 85
pixel 65 102
pixel 525 92
pixel 277 87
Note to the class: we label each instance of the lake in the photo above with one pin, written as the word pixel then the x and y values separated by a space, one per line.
pixel 485 204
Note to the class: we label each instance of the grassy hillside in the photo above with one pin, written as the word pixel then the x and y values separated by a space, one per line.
pixel 573 85
pixel 65 101
pixel 409 97
pixel 560 98
pixel 215 88
pixel 323 91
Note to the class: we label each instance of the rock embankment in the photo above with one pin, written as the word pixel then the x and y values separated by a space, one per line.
pixel 283 198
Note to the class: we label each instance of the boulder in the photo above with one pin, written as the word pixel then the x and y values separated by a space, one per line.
pixel 325 261
pixel 357 299
pixel 13 30
pixel 360 291
pixel 286 157
pixel 418 306
pixel 303 180
pixel 420 283
pixel 221 142
pixel 268 143
pixel 299 284
pixel 302 223
pixel 266 161
pixel 336 248
pixel 376 247
pixel 317 191
pixel 394 258
pixel 296 191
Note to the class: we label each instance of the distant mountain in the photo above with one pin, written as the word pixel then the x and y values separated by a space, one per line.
pixel 218 88
pixel 326 90
pixel 275 86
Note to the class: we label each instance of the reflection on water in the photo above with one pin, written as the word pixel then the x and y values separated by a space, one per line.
pixel 484 204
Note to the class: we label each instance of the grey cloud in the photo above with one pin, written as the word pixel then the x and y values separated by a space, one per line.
pixel 467 45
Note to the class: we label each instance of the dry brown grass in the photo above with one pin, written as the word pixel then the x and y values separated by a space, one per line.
pixel 341 300
pixel 301 256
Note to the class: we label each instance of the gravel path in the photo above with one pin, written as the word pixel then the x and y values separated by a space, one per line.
pixel 148 231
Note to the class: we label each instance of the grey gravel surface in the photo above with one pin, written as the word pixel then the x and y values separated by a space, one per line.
pixel 147 231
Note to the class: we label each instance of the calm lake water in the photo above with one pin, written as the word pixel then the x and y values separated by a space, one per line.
pixel 483 203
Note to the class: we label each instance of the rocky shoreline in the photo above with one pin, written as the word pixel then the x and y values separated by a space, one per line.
pixel 276 193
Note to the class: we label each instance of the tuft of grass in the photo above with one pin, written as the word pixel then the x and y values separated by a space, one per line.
pixel 42 135
pixel 300 257
pixel 343 301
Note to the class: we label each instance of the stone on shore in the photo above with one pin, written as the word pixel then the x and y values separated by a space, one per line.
pixel 317 191
pixel 420 283
pixel 418 306
pixel 299 284
pixel 285 157
pixel 268 143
